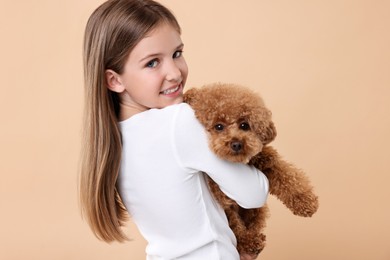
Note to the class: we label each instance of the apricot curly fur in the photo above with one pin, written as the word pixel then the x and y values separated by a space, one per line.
pixel 245 129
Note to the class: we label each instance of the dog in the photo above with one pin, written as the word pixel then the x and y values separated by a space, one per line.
pixel 240 128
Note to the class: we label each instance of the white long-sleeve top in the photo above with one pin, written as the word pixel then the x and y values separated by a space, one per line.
pixel 164 190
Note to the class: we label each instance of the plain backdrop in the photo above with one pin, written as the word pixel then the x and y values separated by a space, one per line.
pixel 322 67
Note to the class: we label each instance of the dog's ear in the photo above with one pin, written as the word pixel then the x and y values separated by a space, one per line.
pixel 269 134
pixel 191 96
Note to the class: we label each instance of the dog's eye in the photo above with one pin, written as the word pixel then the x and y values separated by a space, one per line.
pixel 219 127
pixel 244 126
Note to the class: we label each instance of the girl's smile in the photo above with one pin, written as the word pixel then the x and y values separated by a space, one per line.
pixel 173 91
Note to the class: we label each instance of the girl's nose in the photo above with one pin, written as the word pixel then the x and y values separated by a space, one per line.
pixel 173 72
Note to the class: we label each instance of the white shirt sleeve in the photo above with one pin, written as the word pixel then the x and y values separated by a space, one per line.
pixel 244 184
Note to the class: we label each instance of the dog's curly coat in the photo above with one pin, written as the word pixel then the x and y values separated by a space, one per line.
pixel 239 127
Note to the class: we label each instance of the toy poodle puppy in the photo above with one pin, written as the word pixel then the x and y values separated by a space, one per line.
pixel 239 128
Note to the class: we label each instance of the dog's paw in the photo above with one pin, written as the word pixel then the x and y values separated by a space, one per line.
pixel 304 205
pixel 252 245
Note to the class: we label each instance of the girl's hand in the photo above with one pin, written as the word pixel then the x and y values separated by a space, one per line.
pixel 247 257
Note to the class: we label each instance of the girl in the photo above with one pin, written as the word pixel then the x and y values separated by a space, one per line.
pixel 144 150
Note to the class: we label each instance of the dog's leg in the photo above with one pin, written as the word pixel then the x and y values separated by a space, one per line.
pixel 252 241
pixel 288 183
pixel 246 224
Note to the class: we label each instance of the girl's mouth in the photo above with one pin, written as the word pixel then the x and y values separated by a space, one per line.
pixel 171 90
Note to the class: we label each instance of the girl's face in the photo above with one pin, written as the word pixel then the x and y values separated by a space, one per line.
pixel 154 74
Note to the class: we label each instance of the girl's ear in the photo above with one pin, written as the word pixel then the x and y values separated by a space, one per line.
pixel 114 82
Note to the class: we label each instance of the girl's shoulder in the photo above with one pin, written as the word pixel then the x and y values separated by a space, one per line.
pixel 159 114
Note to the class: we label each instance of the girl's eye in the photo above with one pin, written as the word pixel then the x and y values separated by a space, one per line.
pixel 152 64
pixel 177 54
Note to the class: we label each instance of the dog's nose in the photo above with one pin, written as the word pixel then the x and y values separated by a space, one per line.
pixel 236 146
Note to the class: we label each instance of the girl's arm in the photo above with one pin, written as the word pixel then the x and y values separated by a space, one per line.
pixel 244 184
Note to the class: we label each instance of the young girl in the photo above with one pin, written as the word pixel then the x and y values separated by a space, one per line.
pixel 144 150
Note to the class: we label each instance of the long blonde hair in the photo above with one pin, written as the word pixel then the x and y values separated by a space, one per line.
pixel 111 33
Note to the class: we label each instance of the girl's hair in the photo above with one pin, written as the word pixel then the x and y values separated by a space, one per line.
pixel 111 33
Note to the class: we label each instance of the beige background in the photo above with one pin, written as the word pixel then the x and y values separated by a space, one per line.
pixel 323 68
